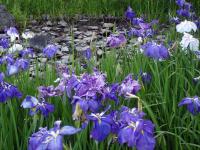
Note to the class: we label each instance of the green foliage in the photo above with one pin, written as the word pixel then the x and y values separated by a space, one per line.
pixel 156 9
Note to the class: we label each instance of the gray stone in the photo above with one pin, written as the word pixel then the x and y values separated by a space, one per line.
pixel 46 28
pixel 39 41
pixel 49 23
pixel 77 32
pixel 64 49
pixel 83 20
pixel 59 54
pixel 42 60
pixel 88 33
pixel 108 25
pixel 62 23
pixel 77 40
pixel 99 52
pixel 105 32
pixel 66 59
pixel 7 20
pixel 75 29
pixel 93 27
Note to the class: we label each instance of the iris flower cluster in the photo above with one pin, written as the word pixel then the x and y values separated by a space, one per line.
pixel 40 104
pixel 127 125
pixel 12 33
pixel 51 139
pixel 50 50
pixel 7 90
pixel 155 51
pixel 141 28
pixel 186 11
pixel 15 62
pixel 114 41
pixel 89 94
pixel 4 43
pixel 36 106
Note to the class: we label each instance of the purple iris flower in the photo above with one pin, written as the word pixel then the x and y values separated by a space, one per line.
pixel 136 32
pixel 183 12
pixel 102 125
pixel 180 3
pixel 188 6
pixel 89 92
pixel 4 43
pixel 130 14
pixel 50 50
pixel 141 32
pixel 134 130
pixel 8 91
pixel 67 84
pixel 49 91
pixel 149 32
pixel 137 21
pixel 146 78
pixel 127 115
pixel 51 139
pixel 175 20
pixel 115 41
pixel 35 106
pixel 20 64
pixel 87 53
pixel 7 59
pixel 193 104
pixel 155 51
pixel 138 134
pixel 26 52
pixel 144 26
pixel 13 33
pixel 111 92
pixel 12 70
pixel 129 86
pixel 197 22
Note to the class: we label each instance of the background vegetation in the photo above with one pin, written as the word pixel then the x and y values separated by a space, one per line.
pixel 176 128
pixel 23 9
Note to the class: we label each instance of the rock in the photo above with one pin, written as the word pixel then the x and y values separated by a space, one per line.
pixel 59 54
pixel 105 32
pixel 93 27
pixel 77 40
pixel 39 41
pixel 64 49
pixel 99 52
pixel 49 23
pixel 108 25
pixel 88 33
pixel 62 23
pixel 46 28
pixel 83 20
pixel 75 29
pixel 42 60
pixel 77 32
pixel 87 40
pixel 66 59
pixel 7 20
